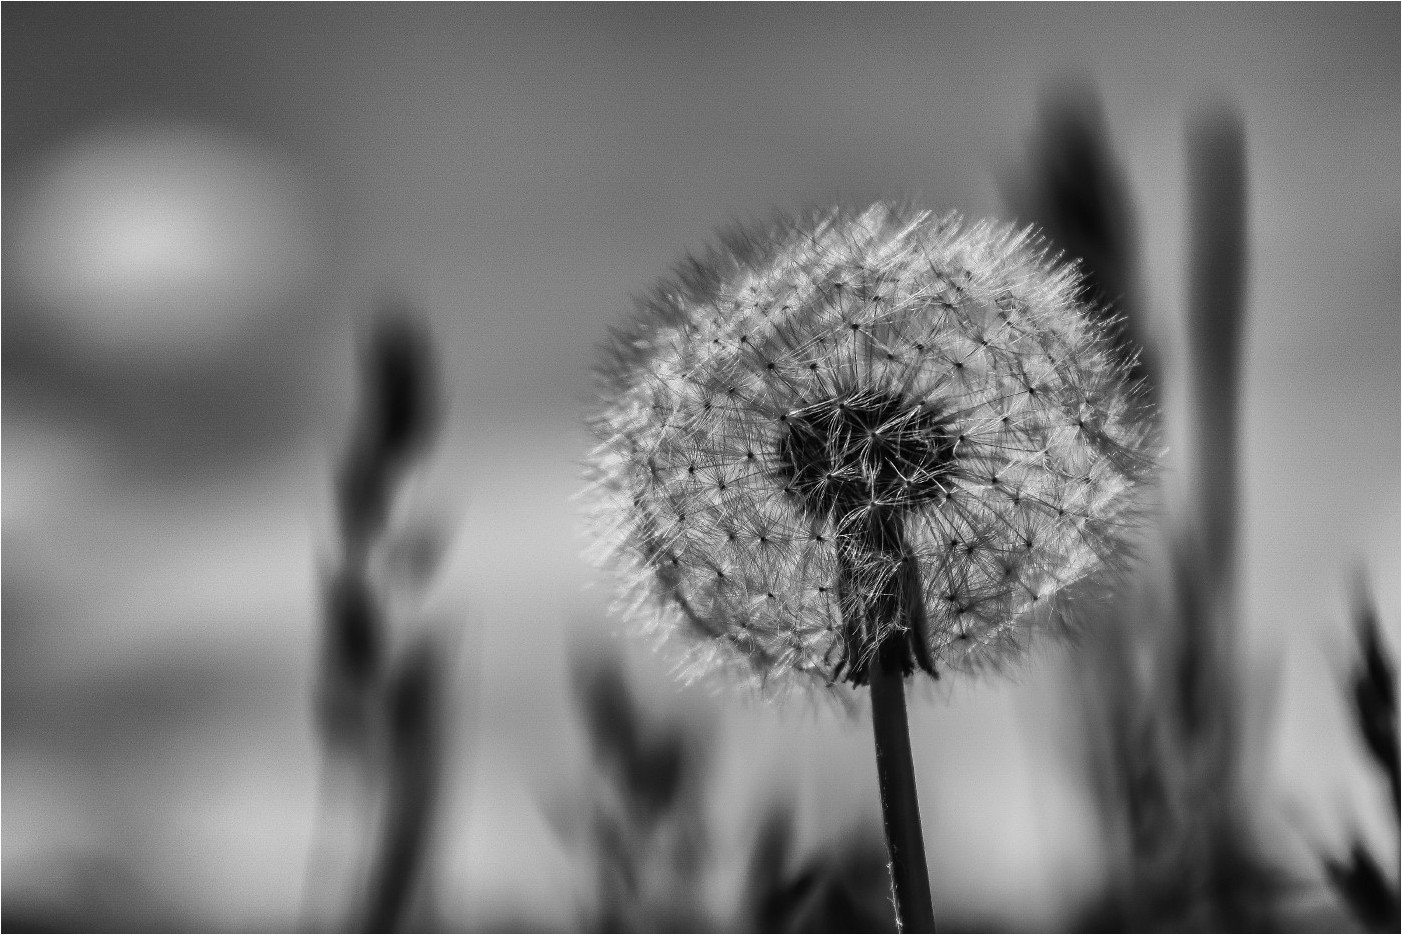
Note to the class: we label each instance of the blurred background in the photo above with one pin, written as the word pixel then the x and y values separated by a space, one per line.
pixel 205 208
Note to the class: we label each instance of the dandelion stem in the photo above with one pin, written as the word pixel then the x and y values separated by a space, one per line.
pixel 900 811
pixel 891 613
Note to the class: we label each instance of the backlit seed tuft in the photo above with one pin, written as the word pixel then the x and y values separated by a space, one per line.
pixel 819 415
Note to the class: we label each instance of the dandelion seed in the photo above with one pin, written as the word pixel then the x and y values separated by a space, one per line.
pixel 910 404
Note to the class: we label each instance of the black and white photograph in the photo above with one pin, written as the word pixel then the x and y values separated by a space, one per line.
pixel 700 467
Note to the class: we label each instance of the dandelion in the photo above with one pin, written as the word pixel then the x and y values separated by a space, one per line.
pixel 859 446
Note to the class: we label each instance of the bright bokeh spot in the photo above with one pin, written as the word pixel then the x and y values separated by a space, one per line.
pixel 160 239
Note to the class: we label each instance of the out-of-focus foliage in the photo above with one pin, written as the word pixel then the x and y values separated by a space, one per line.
pixel 843 888
pixel 645 836
pixel 1360 879
pixel 644 832
pixel 381 694
pixel 1076 192
pixel 1163 699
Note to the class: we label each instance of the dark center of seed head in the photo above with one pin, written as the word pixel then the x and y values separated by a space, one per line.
pixel 845 455
pixel 862 460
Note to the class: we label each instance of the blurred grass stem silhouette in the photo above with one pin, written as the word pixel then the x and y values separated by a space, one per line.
pixel 1216 310
pixel 379 711
pixel 415 730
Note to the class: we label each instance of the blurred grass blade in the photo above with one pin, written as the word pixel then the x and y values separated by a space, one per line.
pixel 1216 315
pixel 1375 695
pixel 1076 192
pixel 415 709
pixel 379 715
pixel 400 411
pixel 1373 899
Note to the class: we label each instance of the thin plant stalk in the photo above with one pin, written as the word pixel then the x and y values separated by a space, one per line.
pixel 900 809
pixel 898 600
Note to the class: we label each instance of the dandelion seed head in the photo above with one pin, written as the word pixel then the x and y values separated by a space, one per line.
pixel 819 411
